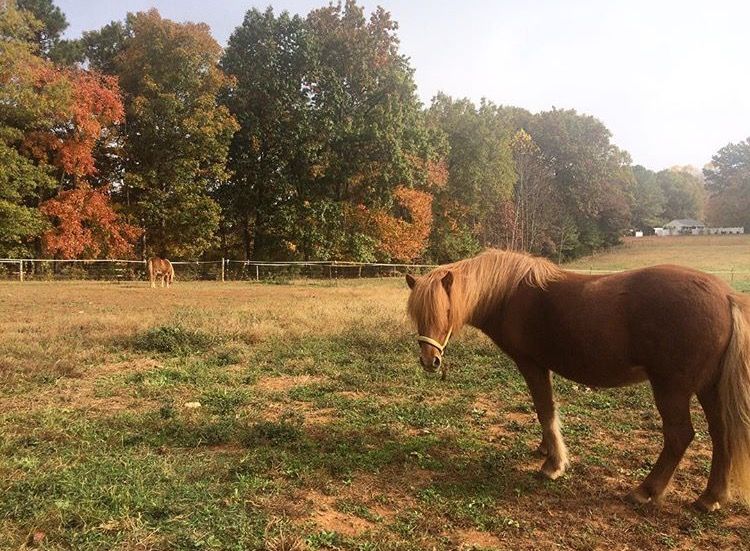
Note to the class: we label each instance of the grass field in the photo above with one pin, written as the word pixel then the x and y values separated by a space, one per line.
pixel 280 417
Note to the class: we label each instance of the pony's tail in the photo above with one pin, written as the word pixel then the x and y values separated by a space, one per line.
pixel 734 391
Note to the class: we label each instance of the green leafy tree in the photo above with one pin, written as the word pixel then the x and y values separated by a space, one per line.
pixel 102 47
pixel 647 205
pixel 52 23
pixel 25 107
pixel 177 135
pixel 615 215
pixel 684 194
pixel 728 183
pixel 368 117
pixel 23 181
pixel 590 180
pixel 329 120
pixel 480 176
pixel 272 155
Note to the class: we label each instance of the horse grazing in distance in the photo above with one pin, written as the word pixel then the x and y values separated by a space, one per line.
pixel 684 331
pixel 162 268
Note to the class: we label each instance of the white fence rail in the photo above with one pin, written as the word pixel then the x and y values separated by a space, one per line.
pixel 227 269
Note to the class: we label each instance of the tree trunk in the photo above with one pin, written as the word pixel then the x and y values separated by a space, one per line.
pixel 246 237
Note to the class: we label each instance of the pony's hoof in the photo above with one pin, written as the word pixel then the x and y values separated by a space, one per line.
pixel 706 505
pixel 552 470
pixel 639 496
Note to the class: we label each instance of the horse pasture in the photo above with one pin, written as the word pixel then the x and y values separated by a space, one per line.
pixel 719 253
pixel 295 417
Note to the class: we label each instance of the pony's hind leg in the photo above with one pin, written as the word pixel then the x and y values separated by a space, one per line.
pixel 674 407
pixel 552 446
pixel 717 491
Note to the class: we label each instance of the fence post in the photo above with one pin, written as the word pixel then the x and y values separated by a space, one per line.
pixel 20 271
pixel 360 271
pixel 257 273
pixel 222 268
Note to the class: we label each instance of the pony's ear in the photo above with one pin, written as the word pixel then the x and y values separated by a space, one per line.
pixel 411 281
pixel 447 281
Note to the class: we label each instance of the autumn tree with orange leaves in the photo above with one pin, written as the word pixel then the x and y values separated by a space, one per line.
pixel 68 141
pixel 52 120
pixel 404 238
pixel 86 226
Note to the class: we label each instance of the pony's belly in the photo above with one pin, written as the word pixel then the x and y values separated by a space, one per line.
pixel 603 376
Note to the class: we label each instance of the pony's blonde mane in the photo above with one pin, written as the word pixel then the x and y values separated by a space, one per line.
pixel 479 284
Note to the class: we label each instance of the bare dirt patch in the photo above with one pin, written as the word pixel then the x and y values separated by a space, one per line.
pixel 385 495
pixel 472 539
pixel 336 521
pixel 320 417
pixel 495 432
pixel 283 383
pixel 352 394
pixel 485 405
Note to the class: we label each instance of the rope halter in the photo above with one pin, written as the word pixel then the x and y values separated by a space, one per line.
pixel 436 344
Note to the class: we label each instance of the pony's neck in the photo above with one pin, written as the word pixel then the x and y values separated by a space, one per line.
pixel 483 283
pixel 473 298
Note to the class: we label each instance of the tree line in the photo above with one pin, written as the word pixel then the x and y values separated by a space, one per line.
pixel 303 138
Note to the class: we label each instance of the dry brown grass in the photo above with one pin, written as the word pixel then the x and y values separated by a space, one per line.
pixel 73 324
pixel 704 252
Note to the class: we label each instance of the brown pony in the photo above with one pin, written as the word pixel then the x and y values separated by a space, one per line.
pixel 160 267
pixel 684 331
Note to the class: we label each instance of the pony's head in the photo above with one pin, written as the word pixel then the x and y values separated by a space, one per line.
pixel 432 310
pixel 468 291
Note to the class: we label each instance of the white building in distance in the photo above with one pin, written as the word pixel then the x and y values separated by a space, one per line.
pixel 688 226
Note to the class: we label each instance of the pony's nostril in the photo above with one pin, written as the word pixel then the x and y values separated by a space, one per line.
pixel 436 362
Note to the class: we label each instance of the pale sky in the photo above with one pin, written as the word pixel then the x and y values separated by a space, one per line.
pixel 669 78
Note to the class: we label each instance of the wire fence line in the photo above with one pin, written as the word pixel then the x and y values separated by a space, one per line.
pixel 225 269
pixel 218 270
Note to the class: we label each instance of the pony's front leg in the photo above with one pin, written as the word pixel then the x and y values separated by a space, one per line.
pixel 539 381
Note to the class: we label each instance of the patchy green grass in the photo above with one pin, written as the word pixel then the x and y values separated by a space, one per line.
pixel 245 416
pixel 173 339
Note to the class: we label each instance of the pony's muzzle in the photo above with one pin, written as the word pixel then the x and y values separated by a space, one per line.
pixel 430 364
